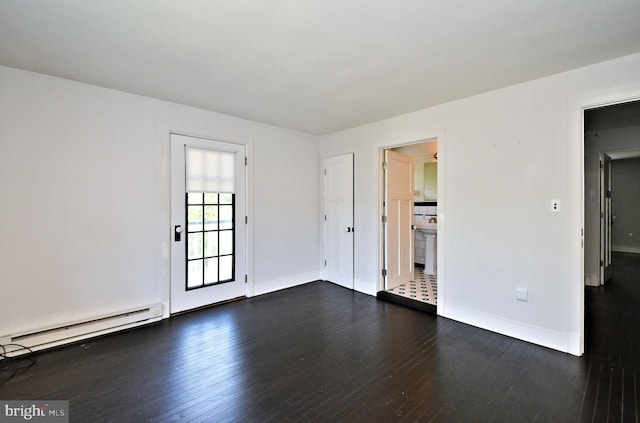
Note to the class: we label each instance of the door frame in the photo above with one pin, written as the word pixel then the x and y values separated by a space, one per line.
pixel 604 192
pixel 166 220
pixel 576 108
pixel 378 155
pixel 606 233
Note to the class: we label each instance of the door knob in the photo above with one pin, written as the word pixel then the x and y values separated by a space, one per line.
pixel 177 230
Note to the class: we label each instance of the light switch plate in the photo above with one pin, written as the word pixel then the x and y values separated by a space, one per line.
pixel 522 294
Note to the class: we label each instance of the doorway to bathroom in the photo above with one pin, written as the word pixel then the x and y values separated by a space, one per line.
pixel 409 218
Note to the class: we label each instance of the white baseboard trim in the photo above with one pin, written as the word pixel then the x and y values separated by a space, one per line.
pixel 264 287
pixel 591 279
pixel 365 287
pixel 575 344
pixel 166 309
pixel 565 342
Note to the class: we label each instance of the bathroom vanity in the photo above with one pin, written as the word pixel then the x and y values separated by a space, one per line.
pixel 426 223
pixel 430 231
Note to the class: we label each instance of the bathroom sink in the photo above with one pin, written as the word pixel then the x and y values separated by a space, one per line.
pixel 427 228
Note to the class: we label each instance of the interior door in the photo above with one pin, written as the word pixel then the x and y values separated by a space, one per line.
pixel 338 220
pixel 398 229
pixel 208 226
pixel 605 218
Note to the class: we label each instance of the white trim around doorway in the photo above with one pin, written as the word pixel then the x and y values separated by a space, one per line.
pixel 167 130
pixel 378 155
pixel 576 195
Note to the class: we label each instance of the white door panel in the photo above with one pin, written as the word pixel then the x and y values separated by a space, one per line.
pixel 338 228
pixel 399 258
pixel 213 242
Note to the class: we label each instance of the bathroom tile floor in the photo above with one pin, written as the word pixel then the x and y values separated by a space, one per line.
pixel 424 288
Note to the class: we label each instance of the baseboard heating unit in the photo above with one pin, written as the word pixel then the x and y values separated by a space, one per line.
pixel 77 331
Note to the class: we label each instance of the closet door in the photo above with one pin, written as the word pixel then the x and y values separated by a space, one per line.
pixel 339 231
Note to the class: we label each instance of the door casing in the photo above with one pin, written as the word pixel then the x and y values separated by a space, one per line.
pixel 216 293
pixel 576 203
pixel 440 137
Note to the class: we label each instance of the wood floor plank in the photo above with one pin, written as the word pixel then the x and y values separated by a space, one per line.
pixel 319 352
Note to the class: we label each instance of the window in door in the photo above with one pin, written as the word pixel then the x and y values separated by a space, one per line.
pixel 210 245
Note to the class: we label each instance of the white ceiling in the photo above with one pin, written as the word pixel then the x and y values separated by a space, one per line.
pixel 314 66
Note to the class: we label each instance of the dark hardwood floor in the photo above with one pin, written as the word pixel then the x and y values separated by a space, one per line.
pixel 612 328
pixel 319 352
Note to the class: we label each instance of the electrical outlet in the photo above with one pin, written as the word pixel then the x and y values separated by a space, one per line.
pixel 555 206
pixel 522 294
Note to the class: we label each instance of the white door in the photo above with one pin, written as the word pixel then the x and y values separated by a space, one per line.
pixel 208 229
pixel 605 218
pixel 398 205
pixel 338 216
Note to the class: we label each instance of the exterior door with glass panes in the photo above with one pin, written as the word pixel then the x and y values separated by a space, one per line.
pixel 208 229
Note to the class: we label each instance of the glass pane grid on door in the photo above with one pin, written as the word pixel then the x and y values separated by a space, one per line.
pixel 210 239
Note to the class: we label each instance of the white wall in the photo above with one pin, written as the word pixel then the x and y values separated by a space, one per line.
pixel 503 156
pixel 84 191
